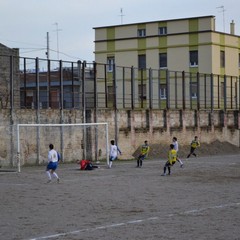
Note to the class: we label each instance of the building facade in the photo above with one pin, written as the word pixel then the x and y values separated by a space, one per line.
pixel 208 58
pixel 190 44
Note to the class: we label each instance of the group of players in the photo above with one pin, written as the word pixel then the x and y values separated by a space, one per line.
pixel 172 154
pixel 54 157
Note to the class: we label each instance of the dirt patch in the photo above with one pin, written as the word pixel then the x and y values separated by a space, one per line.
pixel 215 148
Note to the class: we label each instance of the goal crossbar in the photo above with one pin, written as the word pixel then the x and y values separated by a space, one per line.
pixel 56 125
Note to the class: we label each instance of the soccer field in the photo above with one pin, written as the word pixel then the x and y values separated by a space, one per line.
pixel 199 201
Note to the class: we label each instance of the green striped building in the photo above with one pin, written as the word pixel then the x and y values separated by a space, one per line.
pixel 189 44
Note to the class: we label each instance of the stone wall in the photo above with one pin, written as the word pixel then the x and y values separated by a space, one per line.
pixel 129 127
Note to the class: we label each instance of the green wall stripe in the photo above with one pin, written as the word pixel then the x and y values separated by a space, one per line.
pixel 222 39
pixel 193 25
pixel 110 36
pixel 142 44
pixel 162 42
pixel 110 33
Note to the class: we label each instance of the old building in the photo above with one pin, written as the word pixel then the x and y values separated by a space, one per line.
pixel 9 77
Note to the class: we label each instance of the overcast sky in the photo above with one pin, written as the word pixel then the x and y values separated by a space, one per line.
pixel 24 23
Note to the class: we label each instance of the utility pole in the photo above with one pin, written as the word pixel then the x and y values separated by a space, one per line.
pixel 47 53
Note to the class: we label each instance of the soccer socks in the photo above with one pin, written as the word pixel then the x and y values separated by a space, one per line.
pixel 49 175
pixel 180 161
pixel 138 162
pixel 55 175
pixel 110 164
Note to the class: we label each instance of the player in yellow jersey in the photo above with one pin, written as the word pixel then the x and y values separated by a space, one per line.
pixel 194 144
pixel 172 158
pixel 144 152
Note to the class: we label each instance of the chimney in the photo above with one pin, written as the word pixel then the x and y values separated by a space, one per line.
pixel 232 28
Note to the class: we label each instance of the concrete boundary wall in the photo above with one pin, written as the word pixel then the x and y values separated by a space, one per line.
pixel 128 127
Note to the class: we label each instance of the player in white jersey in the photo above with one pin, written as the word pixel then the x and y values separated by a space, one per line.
pixel 52 163
pixel 113 153
pixel 175 144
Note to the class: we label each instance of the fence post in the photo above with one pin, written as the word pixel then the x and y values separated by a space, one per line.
pixel 190 85
pixel 167 90
pixel 231 92
pixel 132 88
pixel 211 89
pixel 159 89
pixel 205 91
pixel 11 85
pixel 198 91
pixel 95 84
pixel 49 83
pixel 79 63
pixel 37 109
pixel 176 92
pixel 150 89
pixel 115 103
pixel 105 83
pixel 61 84
pixel 225 93
pixel 114 88
pixel 123 86
pixel 141 88
pixel 183 90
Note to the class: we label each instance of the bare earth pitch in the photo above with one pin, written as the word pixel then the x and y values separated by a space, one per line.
pixel 199 201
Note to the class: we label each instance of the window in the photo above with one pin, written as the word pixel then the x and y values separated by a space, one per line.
pixel 110 63
pixel 162 30
pixel 142 61
pixel 141 32
pixel 163 60
pixel 193 56
pixel 193 89
pixel 222 59
pixel 142 91
pixel 163 91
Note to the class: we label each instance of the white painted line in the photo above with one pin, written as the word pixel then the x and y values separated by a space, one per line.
pixel 193 211
pixel 14 184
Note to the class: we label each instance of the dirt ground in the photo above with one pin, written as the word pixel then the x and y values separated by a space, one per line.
pixel 199 201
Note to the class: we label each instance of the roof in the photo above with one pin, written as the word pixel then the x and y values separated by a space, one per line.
pixel 166 20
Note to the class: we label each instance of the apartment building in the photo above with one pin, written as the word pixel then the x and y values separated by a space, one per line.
pixel 190 45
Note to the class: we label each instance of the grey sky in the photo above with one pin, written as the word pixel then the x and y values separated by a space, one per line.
pixel 25 23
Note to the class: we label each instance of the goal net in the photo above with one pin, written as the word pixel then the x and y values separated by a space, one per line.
pixel 74 142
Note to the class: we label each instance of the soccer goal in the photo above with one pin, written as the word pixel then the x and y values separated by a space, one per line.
pixel 74 142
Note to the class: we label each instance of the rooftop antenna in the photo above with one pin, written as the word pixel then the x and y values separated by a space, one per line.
pixel 121 15
pixel 57 30
pixel 223 10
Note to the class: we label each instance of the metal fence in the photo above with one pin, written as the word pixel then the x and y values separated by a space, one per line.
pixel 40 83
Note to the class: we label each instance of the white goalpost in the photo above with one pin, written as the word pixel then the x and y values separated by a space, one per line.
pixel 73 141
